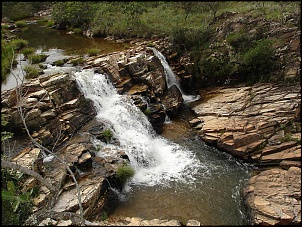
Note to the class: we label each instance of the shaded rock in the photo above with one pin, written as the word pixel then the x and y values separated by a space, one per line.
pixel 172 100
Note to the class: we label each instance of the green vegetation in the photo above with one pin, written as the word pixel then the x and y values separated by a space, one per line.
pixel 104 216
pixel 16 203
pixel 107 134
pixel 37 58
pixel 259 61
pixel 93 52
pixel 192 27
pixel 21 24
pixel 18 44
pixel 9 50
pixel 4 134
pixel 50 23
pixel 19 10
pixel 31 72
pixel 77 61
pixel 60 62
pixel 147 111
pixel 124 173
pixel 28 51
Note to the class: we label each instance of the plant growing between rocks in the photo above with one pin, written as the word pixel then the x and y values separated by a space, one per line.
pixel 124 173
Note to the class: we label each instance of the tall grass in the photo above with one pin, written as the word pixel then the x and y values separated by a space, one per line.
pixel 9 50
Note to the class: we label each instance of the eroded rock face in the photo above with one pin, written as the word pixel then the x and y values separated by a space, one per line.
pixel 57 114
pixel 275 197
pixel 138 73
pixel 52 106
pixel 259 124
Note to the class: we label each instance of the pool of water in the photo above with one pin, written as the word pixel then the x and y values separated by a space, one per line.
pixel 213 199
pixel 45 38
pixel 57 44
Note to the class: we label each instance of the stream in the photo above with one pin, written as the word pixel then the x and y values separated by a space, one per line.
pixel 177 176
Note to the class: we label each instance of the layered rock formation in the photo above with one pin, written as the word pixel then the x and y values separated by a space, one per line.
pixel 259 124
pixel 59 117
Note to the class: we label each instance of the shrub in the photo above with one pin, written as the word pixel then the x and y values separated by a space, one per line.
pixel 16 205
pixel 7 54
pixel 107 134
pixel 31 72
pixel 240 41
pixel 147 111
pixel 124 173
pixel 28 50
pixel 18 44
pixel 104 216
pixel 21 24
pixel 150 44
pixel 185 39
pixel 259 61
pixel 59 62
pixel 77 61
pixel 37 58
pixel 50 23
pixel 93 52
pixel 78 31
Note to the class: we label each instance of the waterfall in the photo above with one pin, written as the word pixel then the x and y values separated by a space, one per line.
pixel 171 78
pixel 155 159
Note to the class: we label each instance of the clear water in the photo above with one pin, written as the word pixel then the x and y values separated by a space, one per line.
pixel 57 44
pixel 178 177
pixel 45 38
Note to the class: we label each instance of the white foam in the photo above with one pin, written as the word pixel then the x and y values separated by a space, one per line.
pixel 155 159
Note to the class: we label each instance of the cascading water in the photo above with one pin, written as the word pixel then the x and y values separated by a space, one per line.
pixel 155 160
pixel 188 181
pixel 171 78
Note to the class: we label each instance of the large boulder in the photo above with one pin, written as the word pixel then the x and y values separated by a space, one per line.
pixel 172 100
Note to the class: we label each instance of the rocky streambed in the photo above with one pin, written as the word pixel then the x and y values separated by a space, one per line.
pixel 259 124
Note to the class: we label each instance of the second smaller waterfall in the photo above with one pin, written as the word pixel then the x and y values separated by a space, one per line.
pixel 171 78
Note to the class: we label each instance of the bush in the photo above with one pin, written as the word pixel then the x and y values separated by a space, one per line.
pixel 78 31
pixel 107 134
pixel 31 72
pixel 77 61
pixel 185 39
pixel 21 24
pixel 37 58
pixel 50 23
pixel 259 61
pixel 240 41
pixel 16 205
pixel 28 50
pixel 7 61
pixel 59 62
pixel 124 173
pixel 18 44
pixel 93 52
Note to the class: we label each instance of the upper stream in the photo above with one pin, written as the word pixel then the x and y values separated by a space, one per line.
pixel 177 176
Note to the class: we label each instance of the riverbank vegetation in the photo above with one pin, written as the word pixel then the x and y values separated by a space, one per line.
pixel 192 27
